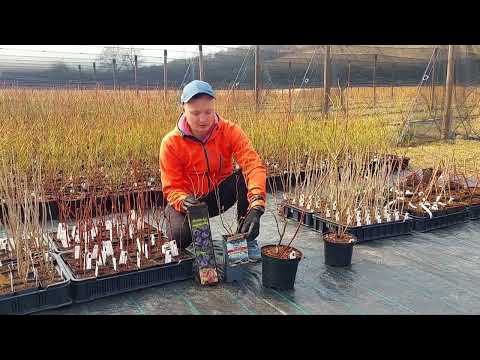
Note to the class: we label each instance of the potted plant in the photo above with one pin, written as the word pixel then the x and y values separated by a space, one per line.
pixel 338 247
pixel 280 262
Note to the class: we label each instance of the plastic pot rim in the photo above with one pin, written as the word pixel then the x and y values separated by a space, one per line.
pixel 286 260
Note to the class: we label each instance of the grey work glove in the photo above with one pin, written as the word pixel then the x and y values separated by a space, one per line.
pixel 251 223
pixel 188 202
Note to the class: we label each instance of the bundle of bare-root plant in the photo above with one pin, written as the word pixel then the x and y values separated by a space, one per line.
pixel 116 231
pixel 25 260
pixel 443 189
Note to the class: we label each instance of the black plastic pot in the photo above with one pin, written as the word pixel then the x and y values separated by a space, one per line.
pixel 279 273
pixel 338 254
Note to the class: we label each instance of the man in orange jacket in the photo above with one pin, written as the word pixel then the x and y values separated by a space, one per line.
pixel 196 164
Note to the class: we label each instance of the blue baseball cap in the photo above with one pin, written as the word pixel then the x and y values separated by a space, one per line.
pixel 196 87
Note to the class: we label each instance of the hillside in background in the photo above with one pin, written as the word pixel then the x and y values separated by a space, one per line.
pixel 282 66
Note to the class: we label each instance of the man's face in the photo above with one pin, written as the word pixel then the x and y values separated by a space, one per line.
pixel 200 115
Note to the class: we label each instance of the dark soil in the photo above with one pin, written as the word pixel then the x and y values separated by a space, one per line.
pixel 45 280
pixel 280 251
pixel 334 237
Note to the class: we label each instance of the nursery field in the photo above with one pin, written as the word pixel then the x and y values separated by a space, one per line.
pixel 82 205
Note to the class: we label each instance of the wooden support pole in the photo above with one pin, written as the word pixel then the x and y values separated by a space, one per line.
pixel 433 79
pixel 393 79
pixel 258 73
pixel 290 87
pixel 135 69
pixel 348 86
pixel 114 62
pixel 200 63
pixel 447 121
pixel 165 88
pixel 375 57
pixel 326 80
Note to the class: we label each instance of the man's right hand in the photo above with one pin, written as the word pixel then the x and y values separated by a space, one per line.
pixel 189 201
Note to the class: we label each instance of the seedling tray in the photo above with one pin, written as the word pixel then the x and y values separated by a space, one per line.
pixel 34 300
pixel 440 220
pixel 294 213
pixel 85 290
pixel 368 232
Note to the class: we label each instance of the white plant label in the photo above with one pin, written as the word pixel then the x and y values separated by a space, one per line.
pixel 131 231
pixel 114 263
pixel 96 269
pixel 108 225
pixel 139 247
pixel 89 261
pixel 145 249
pixel 301 201
pixel 138 260
pixel 165 247
pixel 396 214
pixel 168 257
pixel 77 252
pixel 99 261
pixel 93 232
pixel 95 252
pixel 292 255
pixel 140 224
pixel 174 248
pixel 124 256
pixel 121 243
pixel 104 257
pixel 152 238
pixel 426 210
pixel 108 247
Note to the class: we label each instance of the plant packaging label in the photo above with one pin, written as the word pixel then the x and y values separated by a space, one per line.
pixel 95 251
pixel 77 252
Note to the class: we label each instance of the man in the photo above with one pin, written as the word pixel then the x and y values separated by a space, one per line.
pixel 196 166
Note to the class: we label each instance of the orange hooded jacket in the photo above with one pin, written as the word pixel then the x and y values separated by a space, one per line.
pixel 190 167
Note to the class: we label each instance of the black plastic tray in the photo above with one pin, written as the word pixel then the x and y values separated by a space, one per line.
pixel 292 212
pixel 156 198
pixel 439 221
pixel 34 300
pixel 368 232
pixel 474 212
pixel 318 224
pixel 84 290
